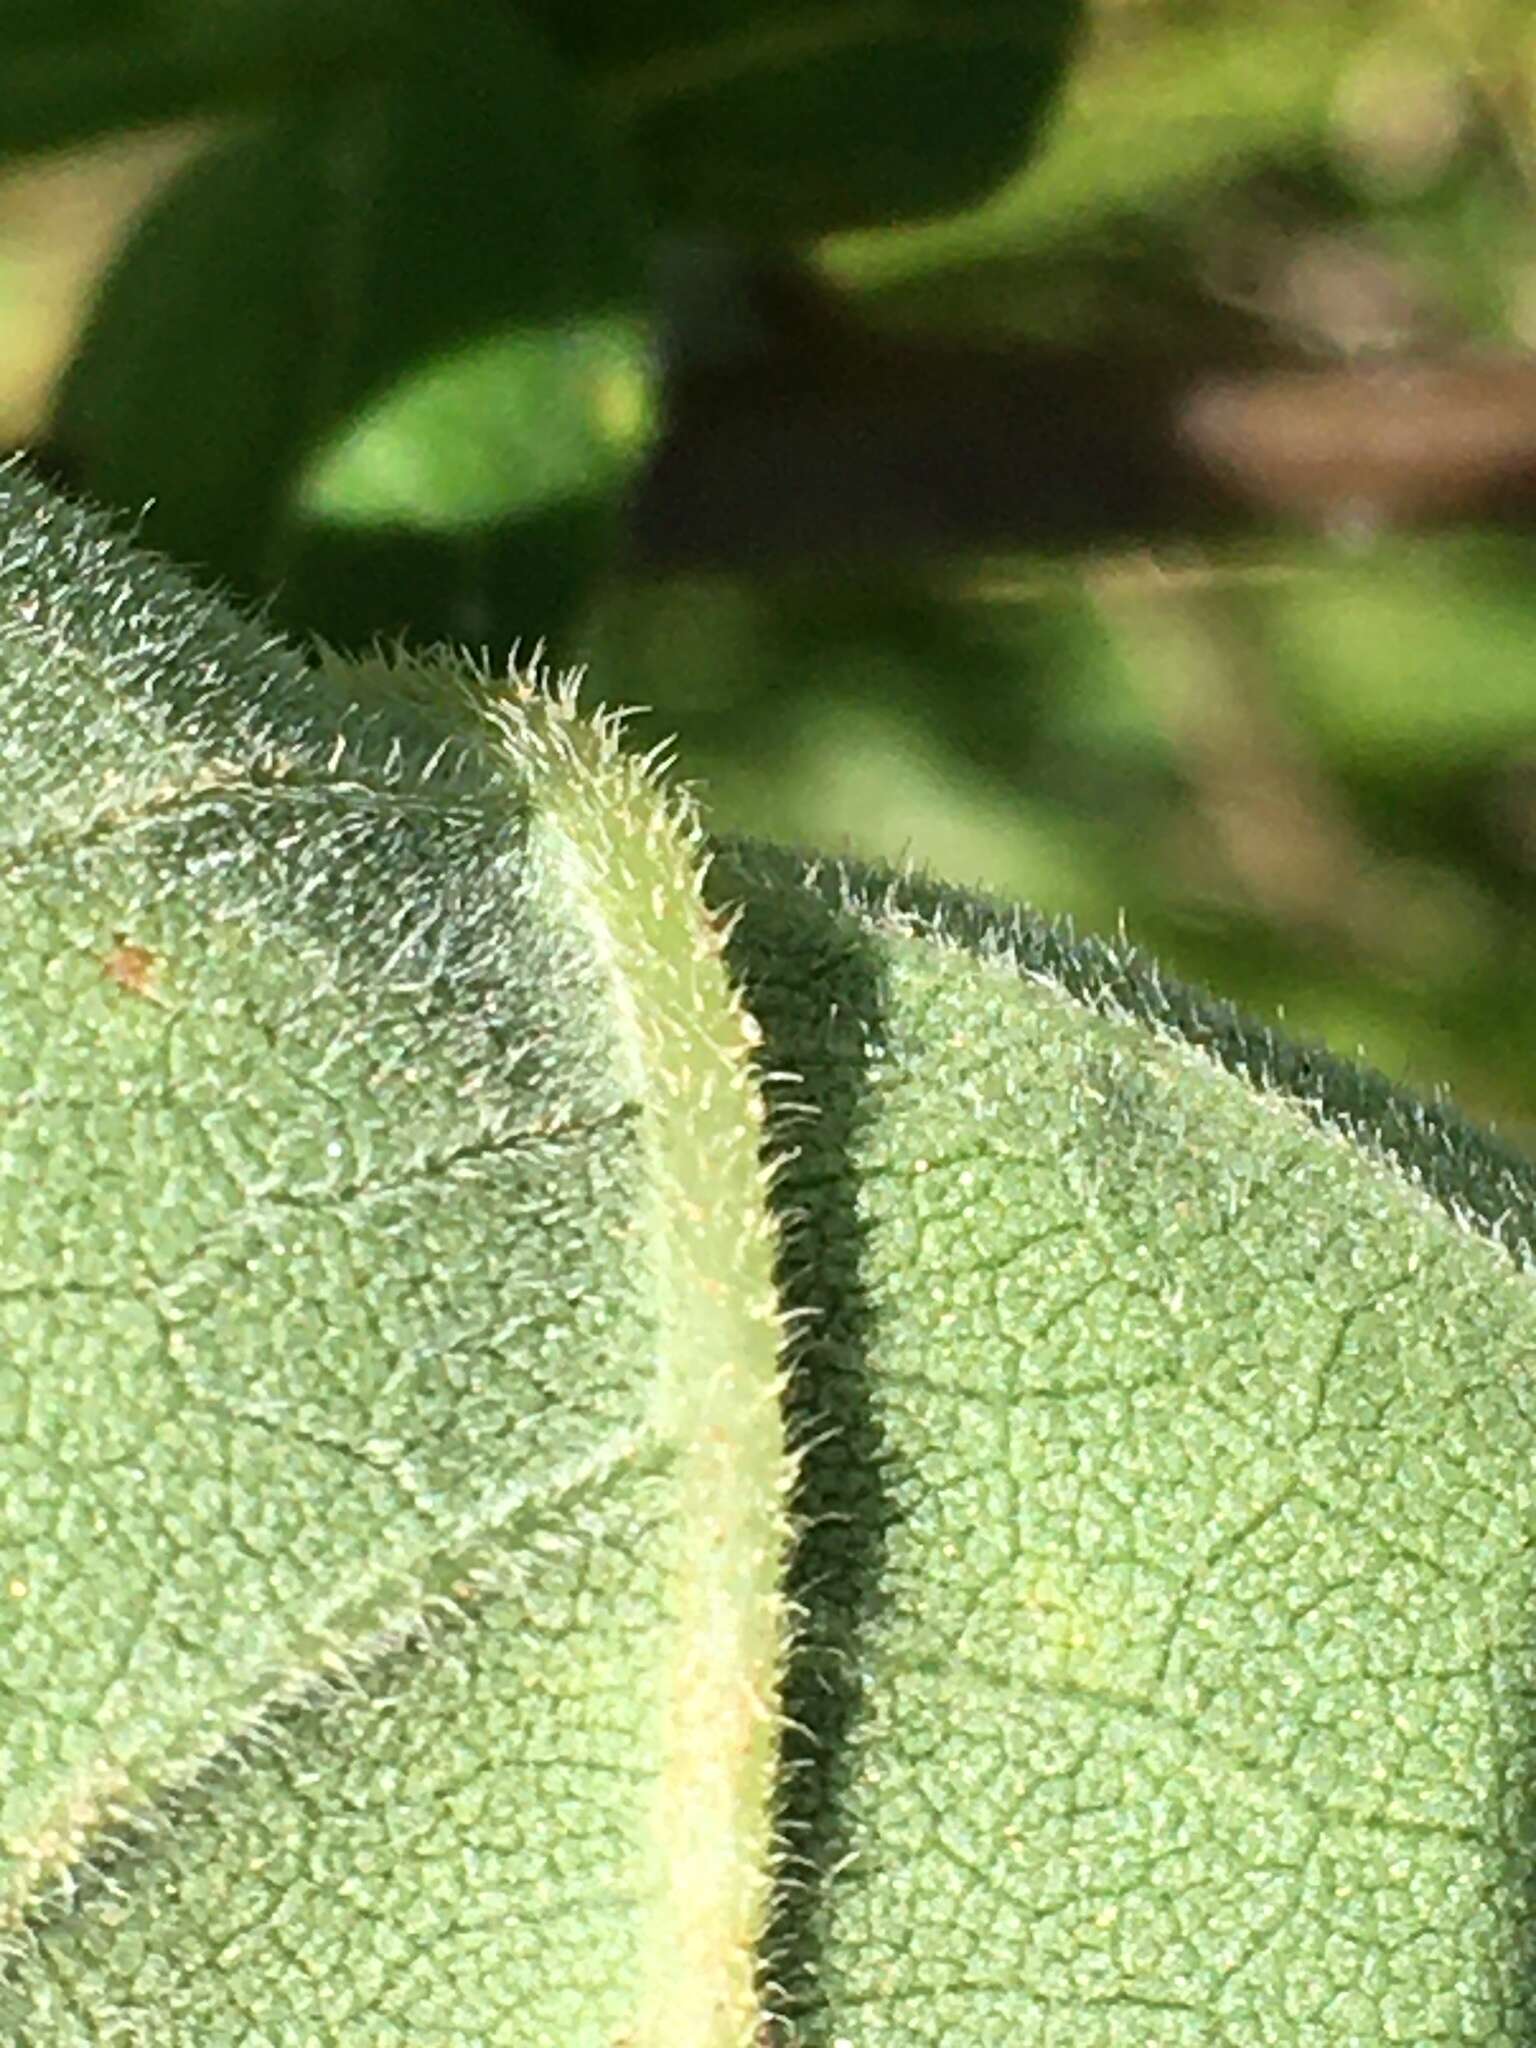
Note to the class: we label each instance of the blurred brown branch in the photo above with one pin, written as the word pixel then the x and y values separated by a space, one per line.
pixel 834 454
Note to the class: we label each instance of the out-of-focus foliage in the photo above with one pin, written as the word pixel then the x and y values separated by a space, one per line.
pixel 386 343
pixel 1305 772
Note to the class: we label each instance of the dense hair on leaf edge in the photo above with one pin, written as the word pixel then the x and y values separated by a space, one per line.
pixel 1483 1184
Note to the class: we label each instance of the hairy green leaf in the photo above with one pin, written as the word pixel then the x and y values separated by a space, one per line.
pixel 392 1431
pixel 388 1352
pixel 1171 1395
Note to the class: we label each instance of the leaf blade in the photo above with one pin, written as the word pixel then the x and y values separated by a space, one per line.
pixel 322 1070
pixel 1168 1673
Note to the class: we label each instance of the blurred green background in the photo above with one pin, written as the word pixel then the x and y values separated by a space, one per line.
pixel 1296 759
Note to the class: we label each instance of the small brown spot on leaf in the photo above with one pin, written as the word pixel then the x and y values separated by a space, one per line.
pixel 135 969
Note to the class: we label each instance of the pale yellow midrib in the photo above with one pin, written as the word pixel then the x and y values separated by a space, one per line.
pixel 627 868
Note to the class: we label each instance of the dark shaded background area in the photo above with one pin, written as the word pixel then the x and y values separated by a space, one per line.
pixel 1152 540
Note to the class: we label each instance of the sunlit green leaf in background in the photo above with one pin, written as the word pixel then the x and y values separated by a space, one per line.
pixel 408 307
